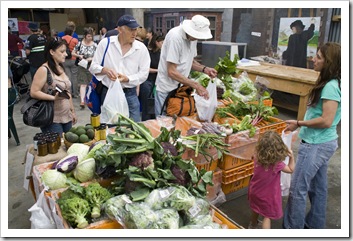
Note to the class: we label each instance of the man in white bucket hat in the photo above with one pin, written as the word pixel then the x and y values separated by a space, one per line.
pixel 177 59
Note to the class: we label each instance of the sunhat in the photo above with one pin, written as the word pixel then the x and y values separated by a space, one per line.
pixel 198 27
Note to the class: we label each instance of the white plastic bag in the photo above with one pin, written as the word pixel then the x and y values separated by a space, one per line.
pixel 40 214
pixel 114 103
pixel 287 138
pixel 207 108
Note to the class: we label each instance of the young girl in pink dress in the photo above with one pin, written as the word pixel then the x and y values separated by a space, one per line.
pixel 264 193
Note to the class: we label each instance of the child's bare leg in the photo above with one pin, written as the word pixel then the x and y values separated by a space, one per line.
pixel 254 217
pixel 266 223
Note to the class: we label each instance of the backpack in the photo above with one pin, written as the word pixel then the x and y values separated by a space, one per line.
pixel 180 102
pixel 68 51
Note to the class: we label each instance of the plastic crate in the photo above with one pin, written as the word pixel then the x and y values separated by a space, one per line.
pixel 200 161
pixel 208 166
pixel 236 185
pixel 276 125
pixel 237 173
pixel 231 161
pixel 222 219
pixel 267 102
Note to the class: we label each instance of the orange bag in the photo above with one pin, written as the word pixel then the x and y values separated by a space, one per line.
pixel 180 102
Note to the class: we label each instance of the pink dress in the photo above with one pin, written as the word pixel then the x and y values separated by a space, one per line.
pixel 264 192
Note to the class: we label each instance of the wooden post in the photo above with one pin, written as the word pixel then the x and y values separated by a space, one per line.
pixel 289 12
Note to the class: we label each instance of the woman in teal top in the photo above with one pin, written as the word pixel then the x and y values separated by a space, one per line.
pixel 319 142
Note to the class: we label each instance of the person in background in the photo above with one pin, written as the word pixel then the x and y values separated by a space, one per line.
pixel 296 53
pixel 13 40
pixel 149 35
pixel 54 34
pixel 84 50
pixel 318 132
pixel 264 193
pixel 102 32
pixel 177 59
pixel 146 89
pixel 34 48
pixel 72 25
pixel 141 34
pixel 70 68
pixel 126 60
pixel 64 111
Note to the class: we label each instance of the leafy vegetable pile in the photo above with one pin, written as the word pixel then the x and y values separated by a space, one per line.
pixel 226 68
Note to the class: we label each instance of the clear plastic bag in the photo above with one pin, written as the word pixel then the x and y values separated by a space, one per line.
pixel 114 103
pixel 207 108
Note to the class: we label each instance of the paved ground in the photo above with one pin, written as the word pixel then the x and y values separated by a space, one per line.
pixel 19 200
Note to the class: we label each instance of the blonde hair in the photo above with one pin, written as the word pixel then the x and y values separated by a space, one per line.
pixel 270 149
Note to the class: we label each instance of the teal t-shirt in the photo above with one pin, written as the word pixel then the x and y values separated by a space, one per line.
pixel 331 91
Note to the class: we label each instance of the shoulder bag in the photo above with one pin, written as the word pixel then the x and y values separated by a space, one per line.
pixel 180 102
pixel 94 90
pixel 39 113
pixel 79 49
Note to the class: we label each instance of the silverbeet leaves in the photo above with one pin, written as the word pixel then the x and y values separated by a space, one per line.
pixel 142 163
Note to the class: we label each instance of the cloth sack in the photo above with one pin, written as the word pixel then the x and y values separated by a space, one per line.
pixel 94 90
pixel 180 102
pixel 114 103
pixel 207 108
pixel 39 113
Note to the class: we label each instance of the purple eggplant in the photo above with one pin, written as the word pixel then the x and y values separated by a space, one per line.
pixel 67 164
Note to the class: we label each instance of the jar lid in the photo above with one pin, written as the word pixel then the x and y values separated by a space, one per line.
pixel 42 142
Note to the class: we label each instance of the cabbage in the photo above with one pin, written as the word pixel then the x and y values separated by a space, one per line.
pixel 85 170
pixel 79 149
pixel 54 179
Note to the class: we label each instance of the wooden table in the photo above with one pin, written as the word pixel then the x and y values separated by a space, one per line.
pixel 293 80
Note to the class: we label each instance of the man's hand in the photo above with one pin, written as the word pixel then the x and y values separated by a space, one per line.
pixel 201 91
pixel 210 72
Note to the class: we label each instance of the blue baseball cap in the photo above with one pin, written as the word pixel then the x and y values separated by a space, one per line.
pixel 127 20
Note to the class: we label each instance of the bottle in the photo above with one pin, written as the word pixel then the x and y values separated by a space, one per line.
pixel 52 145
pixel 95 120
pixel 42 147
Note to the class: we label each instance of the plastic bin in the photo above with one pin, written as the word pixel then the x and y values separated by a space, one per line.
pixel 232 161
pixel 237 173
pixel 236 185
pixel 276 125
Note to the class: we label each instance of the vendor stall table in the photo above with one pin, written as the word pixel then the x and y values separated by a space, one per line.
pixel 293 80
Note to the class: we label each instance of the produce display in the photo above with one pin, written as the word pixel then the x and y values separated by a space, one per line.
pixel 151 183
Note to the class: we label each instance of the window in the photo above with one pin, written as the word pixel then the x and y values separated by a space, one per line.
pixel 159 26
pixel 170 23
pixel 212 27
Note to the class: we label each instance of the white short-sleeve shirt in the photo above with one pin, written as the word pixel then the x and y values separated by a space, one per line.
pixel 179 50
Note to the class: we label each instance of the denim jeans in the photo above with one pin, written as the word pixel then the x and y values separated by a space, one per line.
pixel 57 127
pixel 132 101
pixel 309 177
pixel 159 100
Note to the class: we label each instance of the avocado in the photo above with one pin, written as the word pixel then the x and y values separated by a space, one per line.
pixel 73 129
pixel 90 133
pixel 71 137
pixel 80 131
pixel 84 138
pixel 88 126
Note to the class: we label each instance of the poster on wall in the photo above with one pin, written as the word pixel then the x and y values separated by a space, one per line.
pixel 13 24
pixel 23 27
pixel 298 40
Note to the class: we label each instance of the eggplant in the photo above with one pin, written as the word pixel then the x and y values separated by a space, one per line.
pixel 67 164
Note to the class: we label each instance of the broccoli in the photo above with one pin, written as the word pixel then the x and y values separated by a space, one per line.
pixel 142 160
pixel 96 196
pixel 74 210
pixel 169 147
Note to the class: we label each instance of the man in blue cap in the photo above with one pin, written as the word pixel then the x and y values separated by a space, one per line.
pixel 34 46
pixel 126 60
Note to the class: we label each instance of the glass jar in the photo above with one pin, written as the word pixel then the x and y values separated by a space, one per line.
pixel 58 139
pixel 35 141
pixel 42 147
pixel 102 130
pixel 95 120
pixel 52 145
